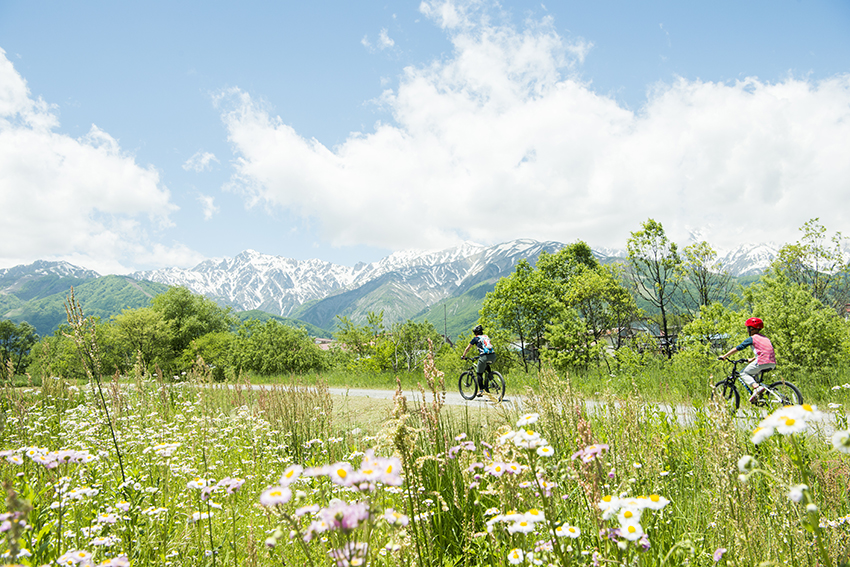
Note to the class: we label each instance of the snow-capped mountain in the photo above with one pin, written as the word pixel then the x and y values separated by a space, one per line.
pixel 406 281
pixel 280 285
pixel 403 285
pixel 748 259
pixel 252 280
pixel 46 268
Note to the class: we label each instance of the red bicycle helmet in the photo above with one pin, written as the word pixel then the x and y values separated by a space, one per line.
pixel 755 323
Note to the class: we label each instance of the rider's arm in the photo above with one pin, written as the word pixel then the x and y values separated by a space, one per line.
pixel 734 350
pixel 466 350
pixel 747 342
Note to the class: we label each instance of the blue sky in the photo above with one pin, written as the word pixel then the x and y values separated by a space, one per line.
pixel 141 135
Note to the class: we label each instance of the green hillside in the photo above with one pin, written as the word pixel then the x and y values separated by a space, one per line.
pixel 381 294
pixel 8 303
pixel 44 286
pixel 262 316
pixel 456 315
pixel 101 297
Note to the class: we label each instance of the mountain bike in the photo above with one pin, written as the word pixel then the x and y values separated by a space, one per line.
pixel 776 394
pixel 494 384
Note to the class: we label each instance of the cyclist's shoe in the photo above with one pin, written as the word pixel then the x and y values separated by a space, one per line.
pixel 757 393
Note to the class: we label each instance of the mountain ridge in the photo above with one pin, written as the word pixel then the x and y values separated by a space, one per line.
pixel 404 285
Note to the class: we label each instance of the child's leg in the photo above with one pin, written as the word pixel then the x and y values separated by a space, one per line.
pixel 752 370
pixel 749 373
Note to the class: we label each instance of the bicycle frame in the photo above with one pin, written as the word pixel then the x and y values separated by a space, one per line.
pixel 735 377
pixel 473 367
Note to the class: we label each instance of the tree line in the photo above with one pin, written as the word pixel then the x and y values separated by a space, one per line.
pixel 576 314
pixel 180 329
pixel 567 310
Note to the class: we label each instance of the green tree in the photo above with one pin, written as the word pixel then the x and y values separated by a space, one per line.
pixel 56 355
pixel 706 280
pixel 144 333
pixel 622 308
pixel 600 301
pixel 566 292
pixel 655 263
pixel 817 263
pixel 523 304
pixel 217 350
pixel 713 330
pixel 561 267
pixel 274 348
pixel 15 344
pixel 805 333
pixel 410 343
pixel 190 316
pixel 375 323
pixel 570 345
pixel 355 339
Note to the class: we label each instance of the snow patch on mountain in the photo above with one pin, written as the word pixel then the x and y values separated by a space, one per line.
pixel 252 280
pixel 748 259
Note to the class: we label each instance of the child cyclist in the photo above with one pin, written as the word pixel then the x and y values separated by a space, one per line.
pixel 486 354
pixel 765 358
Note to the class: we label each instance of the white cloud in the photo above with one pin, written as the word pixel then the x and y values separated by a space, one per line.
pixel 208 205
pixel 200 161
pixel 62 197
pixel 446 14
pixel 500 141
pixel 384 40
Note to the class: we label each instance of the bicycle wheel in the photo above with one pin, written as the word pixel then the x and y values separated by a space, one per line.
pixel 726 392
pixel 781 393
pixel 495 384
pixel 468 385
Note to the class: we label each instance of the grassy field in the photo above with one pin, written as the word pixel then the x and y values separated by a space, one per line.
pixel 663 384
pixel 144 472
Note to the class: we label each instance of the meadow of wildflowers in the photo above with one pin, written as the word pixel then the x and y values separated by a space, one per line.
pixel 202 474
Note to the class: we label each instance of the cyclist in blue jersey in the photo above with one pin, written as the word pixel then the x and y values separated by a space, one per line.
pixel 486 354
pixel 765 358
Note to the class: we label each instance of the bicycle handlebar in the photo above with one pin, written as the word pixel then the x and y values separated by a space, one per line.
pixel 739 361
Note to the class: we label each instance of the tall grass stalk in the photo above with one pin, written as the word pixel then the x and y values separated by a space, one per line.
pixel 85 338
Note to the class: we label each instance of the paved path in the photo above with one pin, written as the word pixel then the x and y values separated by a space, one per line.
pixel 684 415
